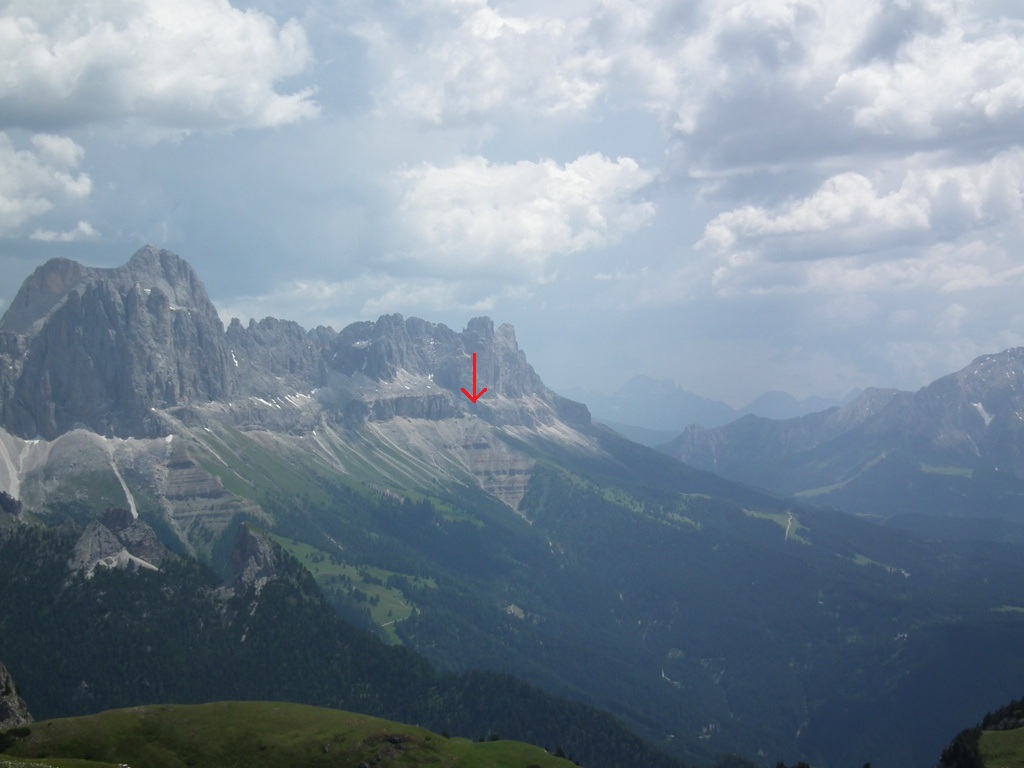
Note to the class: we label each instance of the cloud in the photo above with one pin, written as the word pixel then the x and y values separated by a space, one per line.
pixel 853 234
pixel 740 83
pixel 748 83
pixel 82 231
pixel 514 218
pixel 447 62
pixel 966 79
pixel 187 65
pixel 31 178
pixel 846 211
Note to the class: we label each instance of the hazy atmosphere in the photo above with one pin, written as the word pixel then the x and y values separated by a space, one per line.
pixel 800 195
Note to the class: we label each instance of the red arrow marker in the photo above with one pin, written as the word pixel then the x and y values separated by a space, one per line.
pixel 476 395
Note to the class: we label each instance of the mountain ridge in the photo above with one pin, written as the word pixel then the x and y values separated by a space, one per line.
pixel 654 411
pixel 163 346
pixel 513 535
pixel 954 448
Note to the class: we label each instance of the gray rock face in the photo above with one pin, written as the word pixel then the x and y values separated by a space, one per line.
pixel 117 540
pixel 253 563
pixel 428 365
pixel 13 711
pixel 101 347
pixel 115 351
pixel 379 350
pixel 275 355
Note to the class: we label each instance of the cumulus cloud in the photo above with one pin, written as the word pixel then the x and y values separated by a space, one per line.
pixel 968 78
pixel 30 179
pixel 846 212
pixel 740 81
pixel 850 234
pixel 454 61
pixel 476 215
pixel 82 231
pixel 191 64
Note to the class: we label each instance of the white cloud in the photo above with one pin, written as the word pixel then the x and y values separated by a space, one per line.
pixel 82 231
pixel 31 178
pixel 969 78
pixel 191 64
pixel 850 234
pixel 847 207
pixel 476 215
pixel 448 62
pixel 750 83
pixel 744 83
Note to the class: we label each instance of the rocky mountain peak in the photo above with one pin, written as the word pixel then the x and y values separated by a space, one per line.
pixel 130 351
pixel 13 711
pixel 151 268
pixel 379 350
pixel 101 348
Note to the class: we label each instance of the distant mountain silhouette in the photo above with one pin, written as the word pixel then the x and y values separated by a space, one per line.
pixel 652 411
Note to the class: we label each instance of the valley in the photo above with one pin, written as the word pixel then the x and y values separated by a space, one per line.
pixel 512 545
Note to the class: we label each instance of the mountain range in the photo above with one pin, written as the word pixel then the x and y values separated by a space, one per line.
pixel 151 460
pixel 653 411
pixel 947 459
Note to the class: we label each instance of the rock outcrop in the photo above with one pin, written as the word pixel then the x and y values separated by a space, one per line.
pixel 101 348
pixel 252 563
pixel 13 710
pixel 117 540
pixel 272 356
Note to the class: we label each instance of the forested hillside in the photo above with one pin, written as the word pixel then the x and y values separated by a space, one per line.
pixel 79 646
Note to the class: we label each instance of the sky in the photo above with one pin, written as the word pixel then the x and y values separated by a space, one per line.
pixel 810 196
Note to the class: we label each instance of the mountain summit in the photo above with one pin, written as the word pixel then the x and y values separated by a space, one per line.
pixel 115 350
pixel 101 348
pixel 103 370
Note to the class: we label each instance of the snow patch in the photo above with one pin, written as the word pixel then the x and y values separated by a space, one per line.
pixel 233 358
pixel 984 414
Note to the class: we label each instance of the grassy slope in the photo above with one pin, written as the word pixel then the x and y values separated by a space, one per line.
pixel 32 762
pixel 1003 749
pixel 254 735
pixel 390 605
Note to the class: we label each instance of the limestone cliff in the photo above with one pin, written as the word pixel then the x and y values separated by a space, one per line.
pixel 117 540
pixel 124 380
pixel 101 348
pixel 116 350
pixel 13 711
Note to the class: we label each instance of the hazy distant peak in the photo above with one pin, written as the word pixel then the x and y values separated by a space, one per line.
pixel 782 405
